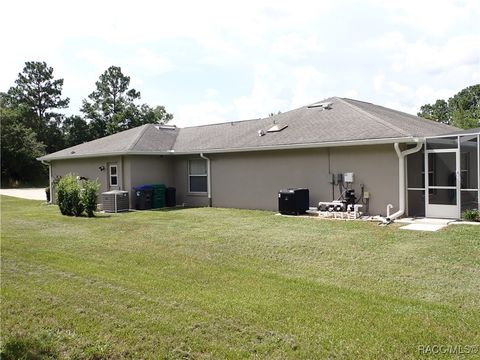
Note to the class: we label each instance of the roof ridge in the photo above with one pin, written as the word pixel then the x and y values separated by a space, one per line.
pixel 138 137
pixel 376 118
pixel 220 123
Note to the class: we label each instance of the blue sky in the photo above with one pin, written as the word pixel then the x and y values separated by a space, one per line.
pixel 214 61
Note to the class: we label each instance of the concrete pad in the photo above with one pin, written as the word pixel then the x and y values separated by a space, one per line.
pixel 434 221
pixel 31 194
pixel 425 221
pixel 423 227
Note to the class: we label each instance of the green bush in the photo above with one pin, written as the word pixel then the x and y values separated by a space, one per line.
pixel 69 197
pixel 89 196
pixel 74 196
pixel 471 215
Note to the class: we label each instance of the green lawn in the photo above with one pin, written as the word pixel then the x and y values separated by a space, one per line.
pixel 223 283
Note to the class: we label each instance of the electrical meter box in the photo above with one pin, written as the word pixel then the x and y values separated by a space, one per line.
pixel 348 177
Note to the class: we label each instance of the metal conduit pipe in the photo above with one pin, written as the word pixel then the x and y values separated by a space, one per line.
pixel 401 178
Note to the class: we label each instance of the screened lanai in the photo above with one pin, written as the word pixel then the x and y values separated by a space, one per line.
pixel 443 178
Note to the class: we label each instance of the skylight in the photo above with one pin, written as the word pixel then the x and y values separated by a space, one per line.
pixel 277 128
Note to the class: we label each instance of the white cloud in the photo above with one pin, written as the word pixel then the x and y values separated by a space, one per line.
pixel 352 94
pixel 293 53
pixel 295 46
pixel 308 85
pixel 279 87
pixel 265 96
pixel 378 82
pixel 458 51
pixel 204 112
pixel 434 17
pixel 211 93
pixel 150 62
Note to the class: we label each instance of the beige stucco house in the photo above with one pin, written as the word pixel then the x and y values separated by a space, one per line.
pixel 419 167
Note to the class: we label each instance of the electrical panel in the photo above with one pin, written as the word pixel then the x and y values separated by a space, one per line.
pixel 348 177
pixel 339 178
pixel 366 195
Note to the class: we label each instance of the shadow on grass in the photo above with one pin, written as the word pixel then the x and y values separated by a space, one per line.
pixel 168 209
pixel 28 349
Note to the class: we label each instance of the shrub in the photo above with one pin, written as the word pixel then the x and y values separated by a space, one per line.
pixel 471 215
pixel 69 196
pixel 75 196
pixel 89 196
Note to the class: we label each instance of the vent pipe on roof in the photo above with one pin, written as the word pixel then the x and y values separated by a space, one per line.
pixel 323 105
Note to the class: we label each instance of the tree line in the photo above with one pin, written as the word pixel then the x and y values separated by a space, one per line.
pixel 462 110
pixel 32 123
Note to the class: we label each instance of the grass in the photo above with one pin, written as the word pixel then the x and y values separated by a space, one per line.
pixel 224 283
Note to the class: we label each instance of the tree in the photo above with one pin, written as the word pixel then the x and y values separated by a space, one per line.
pixel 462 110
pixel 39 95
pixel 156 115
pixel 76 131
pixel 465 107
pixel 19 147
pixel 439 111
pixel 111 107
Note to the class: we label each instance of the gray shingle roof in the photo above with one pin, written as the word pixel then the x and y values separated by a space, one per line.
pixel 346 120
pixel 143 139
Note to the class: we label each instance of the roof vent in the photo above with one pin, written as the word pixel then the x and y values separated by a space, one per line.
pixel 261 132
pixel 166 127
pixel 72 152
pixel 323 105
pixel 277 128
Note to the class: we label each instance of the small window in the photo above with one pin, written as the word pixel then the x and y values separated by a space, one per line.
pixel 113 175
pixel 197 176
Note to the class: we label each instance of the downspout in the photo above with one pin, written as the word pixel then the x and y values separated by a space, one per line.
pixel 49 179
pixel 401 178
pixel 209 180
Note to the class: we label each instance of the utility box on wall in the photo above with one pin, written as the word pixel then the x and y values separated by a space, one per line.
pixel 348 177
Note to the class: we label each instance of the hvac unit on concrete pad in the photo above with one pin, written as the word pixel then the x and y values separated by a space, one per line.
pixel 115 201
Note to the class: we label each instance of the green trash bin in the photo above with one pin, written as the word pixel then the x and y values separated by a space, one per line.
pixel 158 197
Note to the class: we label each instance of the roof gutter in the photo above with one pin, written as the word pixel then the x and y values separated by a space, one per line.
pixel 407 139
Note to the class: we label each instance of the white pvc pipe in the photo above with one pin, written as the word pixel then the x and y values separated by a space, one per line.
pixel 209 180
pixel 389 206
pixel 401 178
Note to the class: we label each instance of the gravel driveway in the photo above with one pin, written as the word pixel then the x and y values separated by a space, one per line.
pixel 32 194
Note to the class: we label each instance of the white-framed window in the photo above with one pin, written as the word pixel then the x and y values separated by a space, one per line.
pixel 197 176
pixel 113 174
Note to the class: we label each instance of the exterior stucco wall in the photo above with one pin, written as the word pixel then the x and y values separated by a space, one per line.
pixel 252 180
pixel 89 168
pixel 374 166
pixel 145 170
pixel 180 177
